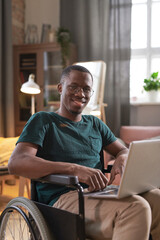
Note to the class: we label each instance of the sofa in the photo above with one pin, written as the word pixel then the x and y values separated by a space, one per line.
pixel 134 133
pixel 7 146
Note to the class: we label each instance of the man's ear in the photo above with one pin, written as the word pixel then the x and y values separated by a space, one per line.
pixel 59 88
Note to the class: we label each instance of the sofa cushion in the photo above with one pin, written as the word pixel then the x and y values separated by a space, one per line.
pixel 135 133
pixel 7 146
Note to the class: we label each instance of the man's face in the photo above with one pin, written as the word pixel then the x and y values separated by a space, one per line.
pixel 75 92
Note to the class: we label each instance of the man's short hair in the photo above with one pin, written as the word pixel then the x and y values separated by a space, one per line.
pixel 71 68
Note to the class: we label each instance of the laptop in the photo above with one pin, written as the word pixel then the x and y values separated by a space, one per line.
pixel 141 173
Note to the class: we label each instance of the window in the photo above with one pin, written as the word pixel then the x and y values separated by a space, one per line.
pixel 145 44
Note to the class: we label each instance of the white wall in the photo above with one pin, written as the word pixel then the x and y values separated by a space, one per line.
pixel 40 12
pixel 144 114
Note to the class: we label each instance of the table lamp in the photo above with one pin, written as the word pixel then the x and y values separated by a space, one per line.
pixel 30 87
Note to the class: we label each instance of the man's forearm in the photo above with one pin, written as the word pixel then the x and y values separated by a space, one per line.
pixel 122 152
pixel 35 167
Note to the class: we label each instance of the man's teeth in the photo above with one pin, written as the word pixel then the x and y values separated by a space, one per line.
pixel 78 102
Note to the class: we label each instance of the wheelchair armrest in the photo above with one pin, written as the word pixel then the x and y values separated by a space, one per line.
pixel 67 180
pixel 64 179
pixel 59 179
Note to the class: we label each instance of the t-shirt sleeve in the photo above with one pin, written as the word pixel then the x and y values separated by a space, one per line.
pixel 34 130
pixel 107 135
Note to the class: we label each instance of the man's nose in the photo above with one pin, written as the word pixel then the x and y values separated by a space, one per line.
pixel 80 92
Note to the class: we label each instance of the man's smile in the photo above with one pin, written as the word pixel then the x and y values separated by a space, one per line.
pixel 79 102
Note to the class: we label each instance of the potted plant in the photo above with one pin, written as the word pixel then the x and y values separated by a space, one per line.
pixel 152 86
pixel 64 38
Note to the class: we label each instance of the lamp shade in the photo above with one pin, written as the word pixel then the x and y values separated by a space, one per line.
pixel 30 86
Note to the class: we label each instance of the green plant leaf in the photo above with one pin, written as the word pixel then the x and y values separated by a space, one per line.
pixel 152 83
pixel 64 38
pixel 154 75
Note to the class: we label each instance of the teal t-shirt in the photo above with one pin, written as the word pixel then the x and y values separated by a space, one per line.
pixel 60 139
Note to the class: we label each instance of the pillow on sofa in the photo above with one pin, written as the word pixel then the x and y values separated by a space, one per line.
pixel 7 146
pixel 133 133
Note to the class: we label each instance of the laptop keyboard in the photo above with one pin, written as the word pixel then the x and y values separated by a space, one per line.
pixel 112 189
pixel 109 190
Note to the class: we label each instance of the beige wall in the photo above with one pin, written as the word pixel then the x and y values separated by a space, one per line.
pixel 36 12
pixel 40 12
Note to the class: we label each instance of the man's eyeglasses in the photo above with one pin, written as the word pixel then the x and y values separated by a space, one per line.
pixel 88 92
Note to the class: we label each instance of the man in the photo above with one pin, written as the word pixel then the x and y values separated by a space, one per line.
pixel 67 142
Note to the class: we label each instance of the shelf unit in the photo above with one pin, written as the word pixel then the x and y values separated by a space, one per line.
pixel 43 60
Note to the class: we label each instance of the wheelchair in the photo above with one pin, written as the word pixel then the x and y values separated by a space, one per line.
pixel 25 219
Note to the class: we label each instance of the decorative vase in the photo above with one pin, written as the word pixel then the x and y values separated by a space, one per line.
pixel 31 34
pixel 153 96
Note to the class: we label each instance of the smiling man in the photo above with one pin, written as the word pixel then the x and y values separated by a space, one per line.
pixel 76 90
pixel 67 142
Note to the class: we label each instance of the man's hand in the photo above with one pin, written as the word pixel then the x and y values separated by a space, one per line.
pixel 94 178
pixel 118 167
pixel 120 152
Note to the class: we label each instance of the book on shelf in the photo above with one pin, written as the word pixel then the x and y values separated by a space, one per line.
pixel 24 75
pixel 28 60
pixel 22 78
pixel 28 64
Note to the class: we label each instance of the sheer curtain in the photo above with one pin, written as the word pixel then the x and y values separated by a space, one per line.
pixel 101 31
pixel 118 62
pixel 6 74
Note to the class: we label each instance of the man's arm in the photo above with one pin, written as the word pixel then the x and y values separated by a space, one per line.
pixel 24 162
pixel 120 153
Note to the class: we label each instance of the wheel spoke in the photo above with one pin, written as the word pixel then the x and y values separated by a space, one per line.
pixel 22 220
pixel 16 227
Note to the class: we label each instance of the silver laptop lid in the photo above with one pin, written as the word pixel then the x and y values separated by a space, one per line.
pixel 142 170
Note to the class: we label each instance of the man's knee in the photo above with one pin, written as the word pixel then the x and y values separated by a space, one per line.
pixel 142 211
pixel 135 218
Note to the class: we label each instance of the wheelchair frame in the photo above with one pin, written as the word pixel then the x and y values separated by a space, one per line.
pixel 69 221
pixel 62 224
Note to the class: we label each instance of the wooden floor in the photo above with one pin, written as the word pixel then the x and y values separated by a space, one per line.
pixel 9 192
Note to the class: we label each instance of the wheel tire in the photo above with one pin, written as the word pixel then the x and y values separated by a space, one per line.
pixel 32 211
pixel 14 224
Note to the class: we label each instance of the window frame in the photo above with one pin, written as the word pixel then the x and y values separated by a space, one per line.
pixel 148 52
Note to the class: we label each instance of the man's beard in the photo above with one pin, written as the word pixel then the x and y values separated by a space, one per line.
pixel 76 112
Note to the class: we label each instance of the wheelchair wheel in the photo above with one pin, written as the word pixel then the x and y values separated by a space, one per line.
pixel 22 220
